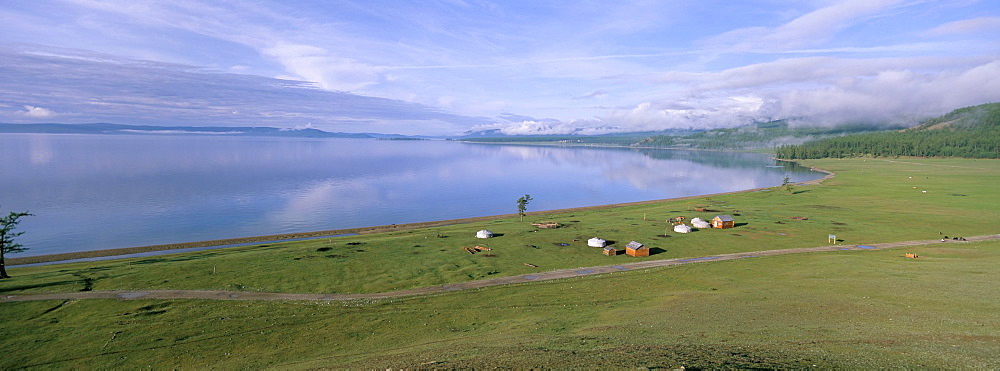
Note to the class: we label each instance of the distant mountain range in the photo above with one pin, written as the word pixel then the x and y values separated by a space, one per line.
pixel 969 132
pixel 103 128
pixel 265 131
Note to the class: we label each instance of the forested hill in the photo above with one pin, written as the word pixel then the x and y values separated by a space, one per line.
pixel 764 135
pixel 972 132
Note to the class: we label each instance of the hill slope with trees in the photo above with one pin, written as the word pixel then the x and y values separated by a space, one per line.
pixel 972 132
pixel 764 135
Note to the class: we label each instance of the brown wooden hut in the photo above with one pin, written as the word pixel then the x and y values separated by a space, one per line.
pixel 610 251
pixel 723 221
pixel 636 249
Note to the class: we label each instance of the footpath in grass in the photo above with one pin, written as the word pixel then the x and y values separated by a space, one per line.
pixel 839 309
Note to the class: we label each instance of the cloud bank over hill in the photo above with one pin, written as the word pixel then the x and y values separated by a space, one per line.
pixel 444 67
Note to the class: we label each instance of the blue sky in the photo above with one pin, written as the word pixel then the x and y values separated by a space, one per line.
pixel 444 67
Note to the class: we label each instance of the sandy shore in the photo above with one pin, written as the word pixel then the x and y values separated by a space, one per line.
pixel 363 230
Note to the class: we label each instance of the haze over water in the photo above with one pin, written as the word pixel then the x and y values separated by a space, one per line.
pixel 93 192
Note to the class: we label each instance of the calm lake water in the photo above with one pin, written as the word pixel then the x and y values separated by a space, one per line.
pixel 92 192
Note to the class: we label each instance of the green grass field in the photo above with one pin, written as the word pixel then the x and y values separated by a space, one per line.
pixel 831 309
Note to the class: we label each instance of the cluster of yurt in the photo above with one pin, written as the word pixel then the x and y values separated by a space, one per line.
pixel 700 223
pixel 596 242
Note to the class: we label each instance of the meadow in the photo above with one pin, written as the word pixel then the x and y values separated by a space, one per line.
pixel 829 309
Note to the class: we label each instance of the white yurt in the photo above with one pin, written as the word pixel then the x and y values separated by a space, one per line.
pixel 681 228
pixel 484 234
pixel 700 223
pixel 596 242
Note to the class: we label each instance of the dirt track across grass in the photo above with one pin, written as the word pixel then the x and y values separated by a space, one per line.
pixel 534 277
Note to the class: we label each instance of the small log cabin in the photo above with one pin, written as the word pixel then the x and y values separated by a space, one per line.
pixel 636 249
pixel 723 221
pixel 610 251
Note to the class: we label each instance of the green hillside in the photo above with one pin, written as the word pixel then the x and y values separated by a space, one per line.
pixel 756 136
pixel 972 132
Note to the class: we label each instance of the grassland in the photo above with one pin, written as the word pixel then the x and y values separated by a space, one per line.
pixel 836 309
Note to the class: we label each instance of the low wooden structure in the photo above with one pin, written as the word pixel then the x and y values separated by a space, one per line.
pixel 610 251
pixel 636 249
pixel 912 255
pixel 723 221
pixel 546 225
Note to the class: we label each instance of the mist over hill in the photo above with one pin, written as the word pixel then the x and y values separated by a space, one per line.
pixel 965 132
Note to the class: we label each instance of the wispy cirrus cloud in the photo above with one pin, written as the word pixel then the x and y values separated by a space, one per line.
pixel 813 28
pixel 966 26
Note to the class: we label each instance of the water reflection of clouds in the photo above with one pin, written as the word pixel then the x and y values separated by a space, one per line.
pixel 318 200
pixel 40 150
pixel 644 171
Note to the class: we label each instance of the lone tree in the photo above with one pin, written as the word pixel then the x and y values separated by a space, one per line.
pixel 7 234
pixel 522 204
pixel 787 184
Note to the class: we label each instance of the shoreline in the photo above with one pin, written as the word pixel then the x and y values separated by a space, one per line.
pixel 221 243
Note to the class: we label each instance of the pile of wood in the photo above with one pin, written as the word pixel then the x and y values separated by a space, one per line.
pixel 912 255
pixel 546 225
pixel 798 218
pixel 475 249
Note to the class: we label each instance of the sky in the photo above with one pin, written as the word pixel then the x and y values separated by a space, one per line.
pixel 521 67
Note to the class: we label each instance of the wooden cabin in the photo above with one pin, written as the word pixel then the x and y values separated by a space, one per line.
pixel 610 251
pixel 723 221
pixel 636 249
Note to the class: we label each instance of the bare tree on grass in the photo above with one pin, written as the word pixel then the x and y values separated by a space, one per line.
pixel 787 185
pixel 522 205
pixel 7 234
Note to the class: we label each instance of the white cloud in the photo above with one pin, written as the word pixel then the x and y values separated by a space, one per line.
pixel 37 112
pixel 317 65
pixel 893 96
pixel 647 116
pixel 813 91
pixel 982 24
pixel 600 93
pixel 812 28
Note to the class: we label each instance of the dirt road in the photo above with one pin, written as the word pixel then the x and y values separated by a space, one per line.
pixel 534 277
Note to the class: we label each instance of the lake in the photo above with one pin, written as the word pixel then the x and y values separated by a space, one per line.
pixel 92 192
